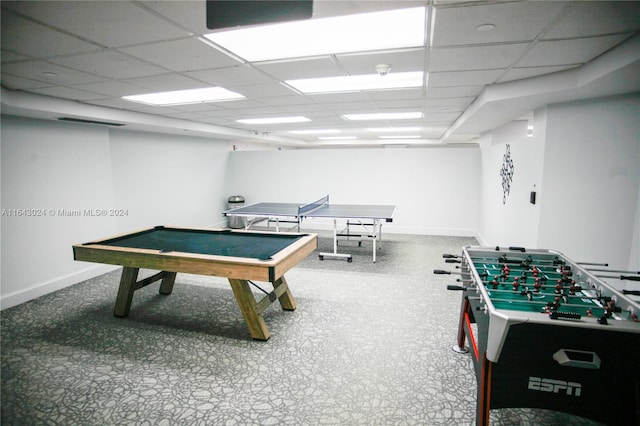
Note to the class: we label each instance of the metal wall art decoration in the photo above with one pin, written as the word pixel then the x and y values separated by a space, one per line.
pixel 507 174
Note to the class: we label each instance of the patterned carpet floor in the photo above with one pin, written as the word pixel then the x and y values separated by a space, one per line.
pixel 369 344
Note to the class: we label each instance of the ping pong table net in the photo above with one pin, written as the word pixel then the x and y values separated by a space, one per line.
pixel 309 207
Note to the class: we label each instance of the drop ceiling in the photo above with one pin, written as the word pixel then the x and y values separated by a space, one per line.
pixel 486 63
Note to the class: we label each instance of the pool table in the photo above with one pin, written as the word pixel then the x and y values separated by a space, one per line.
pixel 240 256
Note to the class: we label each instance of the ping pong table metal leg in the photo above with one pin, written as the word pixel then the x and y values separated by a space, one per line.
pixel 335 246
pixel 375 238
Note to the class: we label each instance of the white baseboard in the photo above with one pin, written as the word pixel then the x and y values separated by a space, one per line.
pixel 22 296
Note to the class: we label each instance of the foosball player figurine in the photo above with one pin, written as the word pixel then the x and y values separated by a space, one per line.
pixel 537 285
pixel 515 284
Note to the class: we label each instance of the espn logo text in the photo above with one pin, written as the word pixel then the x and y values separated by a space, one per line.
pixel 555 386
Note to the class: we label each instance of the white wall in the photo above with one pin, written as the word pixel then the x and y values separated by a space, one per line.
pixel 436 190
pixel 52 168
pixel 511 221
pixel 155 179
pixel 591 180
pixel 163 180
pixel 584 160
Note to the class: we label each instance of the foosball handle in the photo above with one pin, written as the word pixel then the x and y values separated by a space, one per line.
pixel 450 256
pixel 629 277
pixel 513 248
pixel 456 287
pixel 632 292
pixel 441 272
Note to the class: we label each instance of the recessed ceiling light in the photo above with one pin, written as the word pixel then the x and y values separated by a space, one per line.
pixel 354 83
pixel 383 116
pixel 389 29
pixel 273 120
pixel 182 97
pixel 485 27
pixel 315 132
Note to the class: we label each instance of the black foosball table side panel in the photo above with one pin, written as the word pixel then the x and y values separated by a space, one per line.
pixel 527 375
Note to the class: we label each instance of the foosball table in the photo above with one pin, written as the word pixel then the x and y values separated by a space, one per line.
pixel 545 332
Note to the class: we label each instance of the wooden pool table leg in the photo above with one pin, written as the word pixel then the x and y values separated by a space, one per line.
pixel 166 285
pixel 247 302
pixel 125 291
pixel 285 297
pixel 129 284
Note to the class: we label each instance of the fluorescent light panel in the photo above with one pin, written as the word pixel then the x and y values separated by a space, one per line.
pixel 389 29
pixel 274 120
pixel 182 97
pixel 354 83
pixel 400 137
pixel 383 116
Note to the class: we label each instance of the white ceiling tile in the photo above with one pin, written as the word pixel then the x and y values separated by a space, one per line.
pixel 333 98
pixel 458 103
pixel 440 117
pixel 380 95
pixel 400 61
pixel 238 75
pixel 241 105
pixel 295 100
pixel 99 21
pixel 111 88
pixel 119 103
pixel 6 56
pixel 463 78
pixel 308 68
pixel 520 73
pixel 456 23
pixel 165 83
pixel 476 57
pixel 453 92
pixel 109 64
pixel 68 93
pixel 18 83
pixel 416 104
pixel 31 39
pixel 591 18
pixel 566 52
pixel 190 14
pixel 188 54
pixel 36 70
pixel 306 109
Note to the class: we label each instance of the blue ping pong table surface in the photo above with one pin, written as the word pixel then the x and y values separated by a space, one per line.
pixel 337 211
pixel 360 213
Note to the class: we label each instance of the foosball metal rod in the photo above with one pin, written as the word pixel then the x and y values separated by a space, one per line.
pixel 621 271
pixel 621 277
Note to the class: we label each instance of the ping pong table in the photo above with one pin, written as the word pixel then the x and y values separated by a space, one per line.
pixel 368 219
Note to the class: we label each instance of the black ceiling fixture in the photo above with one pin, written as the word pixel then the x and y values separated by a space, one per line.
pixel 227 14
